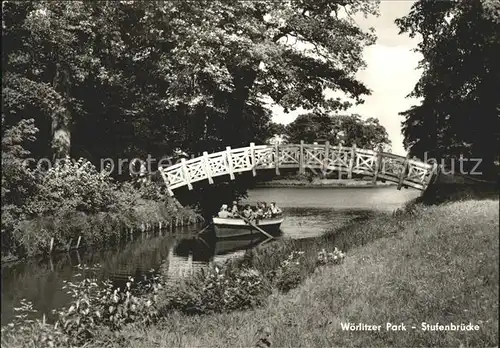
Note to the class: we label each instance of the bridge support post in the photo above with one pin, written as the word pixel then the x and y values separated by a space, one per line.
pixel 301 158
pixel 377 164
pixel 229 162
pixel 435 173
pixel 185 171
pixel 403 172
pixel 352 161
pixel 326 160
pixel 432 178
pixel 206 165
pixel 252 156
pixel 340 161
pixel 277 158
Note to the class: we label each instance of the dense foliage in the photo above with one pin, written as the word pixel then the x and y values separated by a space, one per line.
pixel 460 109
pixel 68 200
pixel 128 79
pixel 338 129
pixel 106 79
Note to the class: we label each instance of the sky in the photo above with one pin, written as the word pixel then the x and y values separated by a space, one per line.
pixel 391 73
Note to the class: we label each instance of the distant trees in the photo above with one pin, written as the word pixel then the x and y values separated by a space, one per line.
pixel 337 129
pixel 460 110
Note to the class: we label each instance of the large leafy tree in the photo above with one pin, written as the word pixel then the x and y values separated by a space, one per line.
pixel 460 108
pixel 129 78
pixel 337 129
pixel 46 55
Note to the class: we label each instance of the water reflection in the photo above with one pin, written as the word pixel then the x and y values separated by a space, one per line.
pixel 181 252
pixel 173 256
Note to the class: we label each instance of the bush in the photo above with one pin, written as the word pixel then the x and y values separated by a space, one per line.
pixel 18 185
pixel 330 258
pixel 23 332
pixel 73 199
pixel 216 290
pixel 289 274
pixel 94 306
pixel 72 186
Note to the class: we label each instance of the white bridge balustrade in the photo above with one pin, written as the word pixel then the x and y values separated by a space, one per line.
pixel 379 165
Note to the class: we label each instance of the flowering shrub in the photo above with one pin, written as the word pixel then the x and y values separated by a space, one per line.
pixel 99 304
pixel 71 186
pixel 216 290
pixel 74 200
pixel 24 332
pixel 94 306
pixel 325 258
pixel 289 274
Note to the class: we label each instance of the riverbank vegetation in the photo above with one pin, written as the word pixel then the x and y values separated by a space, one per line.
pixel 428 264
pixel 45 210
pixel 441 266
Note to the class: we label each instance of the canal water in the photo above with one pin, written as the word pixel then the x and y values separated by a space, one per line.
pixel 177 253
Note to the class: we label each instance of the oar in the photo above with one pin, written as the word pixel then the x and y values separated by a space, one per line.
pixel 204 228
pixel 204 242
pixel 265 241
pixel 255 226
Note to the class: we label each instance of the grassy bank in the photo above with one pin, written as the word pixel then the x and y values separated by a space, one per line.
pixel 445 192
pixel 438 266
pixel 429 264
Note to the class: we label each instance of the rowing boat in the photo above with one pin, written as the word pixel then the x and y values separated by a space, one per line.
pixel 236 227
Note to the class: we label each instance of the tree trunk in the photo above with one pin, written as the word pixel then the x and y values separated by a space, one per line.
pixel 243 79
pixel 61 121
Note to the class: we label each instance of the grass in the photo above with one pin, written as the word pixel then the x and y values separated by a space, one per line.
pixel 444 192
pixel 440 265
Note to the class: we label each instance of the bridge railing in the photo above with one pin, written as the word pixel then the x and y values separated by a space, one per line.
pixel 322 157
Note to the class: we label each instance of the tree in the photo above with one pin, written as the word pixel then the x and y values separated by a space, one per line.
pixel 337 129
pixel 459 112
pixel 45 56
pixel 130 78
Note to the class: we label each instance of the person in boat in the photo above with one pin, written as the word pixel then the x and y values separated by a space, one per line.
pixel 259 211
pixel 224 213
pixel 275 210
pixel 267 211
pixel 248 213
pixel 234 209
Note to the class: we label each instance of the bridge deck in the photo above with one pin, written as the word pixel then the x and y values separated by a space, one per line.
pixel 321 157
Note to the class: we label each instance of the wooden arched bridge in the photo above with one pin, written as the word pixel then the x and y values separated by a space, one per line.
pixel 323 157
